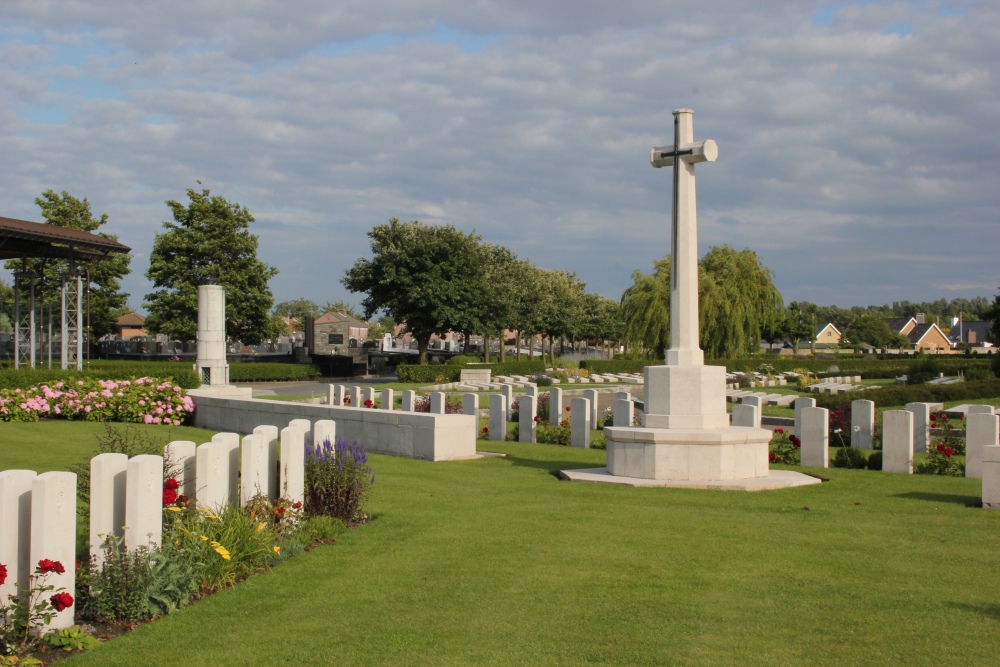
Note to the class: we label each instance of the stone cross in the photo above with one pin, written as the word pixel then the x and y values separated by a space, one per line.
pixel 682 156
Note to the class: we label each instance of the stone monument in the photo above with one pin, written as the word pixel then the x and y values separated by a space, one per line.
pixel 210 364
pixel 685 438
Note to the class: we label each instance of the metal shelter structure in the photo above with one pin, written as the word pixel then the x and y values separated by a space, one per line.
pixel 20 239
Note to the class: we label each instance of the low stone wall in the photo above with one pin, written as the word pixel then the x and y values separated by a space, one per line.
pixel 415 435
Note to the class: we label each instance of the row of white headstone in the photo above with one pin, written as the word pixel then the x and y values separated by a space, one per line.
pixel 38 512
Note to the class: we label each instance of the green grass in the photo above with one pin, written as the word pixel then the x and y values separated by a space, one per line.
pixel 497 562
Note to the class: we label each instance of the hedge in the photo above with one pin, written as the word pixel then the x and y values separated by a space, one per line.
pixel 901 394
pixel 618 365
pixel 179 373
pixel 252 371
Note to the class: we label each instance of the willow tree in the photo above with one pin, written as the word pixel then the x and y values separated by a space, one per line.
pixel 737 302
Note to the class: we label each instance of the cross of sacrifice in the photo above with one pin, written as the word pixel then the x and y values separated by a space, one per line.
pixel 684 346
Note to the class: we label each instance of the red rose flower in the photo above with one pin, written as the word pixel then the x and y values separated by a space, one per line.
pixel 171 484
pixel 369 403
pixel 567 408
pixel 169 496
pixel 61 601
pixel 948 451
pixel 486 429
pixel 941 448
pixel 779 430
pixel 182 500
pixel 279 510
pixel 537 418
pixel 45 566
pixel 3 574
pixel 773 457
pixel 297 505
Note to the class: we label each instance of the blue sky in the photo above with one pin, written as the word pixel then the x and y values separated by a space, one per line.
pixel 858 141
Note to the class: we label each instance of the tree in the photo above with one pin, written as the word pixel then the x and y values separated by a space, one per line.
pixel 349 308
pixel 297 309
pixel 209 241
pixel 645 308
pixel 427 276
pixel 869 329
pixel 800 322
pixel 107 300
pixel 992 315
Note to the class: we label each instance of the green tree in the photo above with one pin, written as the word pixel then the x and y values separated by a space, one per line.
pixel 992 315
pixel 349 308
pixel 209 241
pixel 645 308
pixel 869 329
pixel 425 275
pixel 107 300
pixel 297 309
pixel 800 323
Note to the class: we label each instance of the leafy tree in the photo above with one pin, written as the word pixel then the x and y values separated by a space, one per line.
pixel 209 240
pixel 349 308
pixel 297 309
pixel 870 329
pixel 106 298
pixel 645 308
pixel 992 315
pixel 800 323
pixel 427 276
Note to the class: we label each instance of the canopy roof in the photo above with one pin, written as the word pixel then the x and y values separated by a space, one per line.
pixel 20 238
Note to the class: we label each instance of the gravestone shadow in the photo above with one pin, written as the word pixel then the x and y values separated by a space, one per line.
pixel 988 610
pixel 551 466
pixel 967 501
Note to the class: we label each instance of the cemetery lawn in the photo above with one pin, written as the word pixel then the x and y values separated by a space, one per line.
pixel 495 561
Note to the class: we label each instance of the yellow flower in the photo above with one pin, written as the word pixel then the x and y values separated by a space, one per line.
pixel 276 549
pixel 173 509
pixel 203 538
pixel 221 550
pixel 260 527
pixel 211 516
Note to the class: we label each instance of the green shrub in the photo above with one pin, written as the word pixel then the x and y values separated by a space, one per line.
pixel 543 381
pixel 177 373
pixel 552 435
pixel 429 373
pixel 463 359
pixel 940 461
pixel 261 371
pixel 119 591
pixel 977 373
pixel 922 370
pixel 319 529
pixel 848 457
pixel 875 460
pixel 784 448
pixel 896 395
pixel 337 480
pixel 70 639
pixel 995 363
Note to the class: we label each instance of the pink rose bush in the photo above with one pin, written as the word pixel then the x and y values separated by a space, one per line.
pixel 144 400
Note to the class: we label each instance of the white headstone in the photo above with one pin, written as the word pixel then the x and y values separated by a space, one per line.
pixel 498 417
pixel 623 396
pixel 746 414
pixel 15 529
pixel 53 533
pixel 323 430
pixel 409 399
pixel 862 423
pixel 556 409
pixel 179 457
pixel 255 473
pixel 212 465
pixel 354 397
pixel 388 399
pixel 531 390
pixel 526 418
pixel 623 411
pixel 981 410
pixel 291 480
pixel 368 395
pixel 335 394
pixel 580 423
pixel 591 396
pixel 981 430
pixel 815 437
pixel 143 501
pixel 508 391
pixel 991 477
pixel 897 441
pixel 437 403
pixel 107 501
pixel 921 426
pixel 269 434
pixel 800 403
pixel 231 445
pixel 470 404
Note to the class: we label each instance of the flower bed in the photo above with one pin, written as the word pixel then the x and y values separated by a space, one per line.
pixel 143 400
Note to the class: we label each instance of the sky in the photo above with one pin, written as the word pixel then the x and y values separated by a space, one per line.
pixel 859 142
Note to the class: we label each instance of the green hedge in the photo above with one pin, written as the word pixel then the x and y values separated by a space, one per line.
pixel 428 372
pixel 901 394
pixel 254 371
pixel 618 365
pixel 179 373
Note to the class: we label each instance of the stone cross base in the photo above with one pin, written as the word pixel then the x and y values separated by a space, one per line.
pixel 688 454
pixel 686 397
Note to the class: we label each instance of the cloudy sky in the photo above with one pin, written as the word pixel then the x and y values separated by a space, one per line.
pixel 858 142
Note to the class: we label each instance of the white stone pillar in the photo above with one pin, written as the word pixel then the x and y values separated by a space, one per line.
pixel 388 399
pixel 368 394
pixel 211 361
pixel 555 406
pixel 815 437
pixel 862 423
pixel 293 467
pixel 991 477
pixel 800 403
pixel 254 473
pixel 579 422
pixel 212 465
pixel 508 391
pixel 981 430
pixel 231 445
pixel 269 435
pixel 470 404
pixel 15 529
pixel 323 430
pixel 623 411
pixel 921 426
pixel 897 441
pixel 143 501
pixel 107 501
pixel 437 403
pixel 354 397
pixel 53 533
pixel 591 396
pixel 179 458
pixel 746 415
pixel 526 418
pixel 498 417
pixel 409 399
